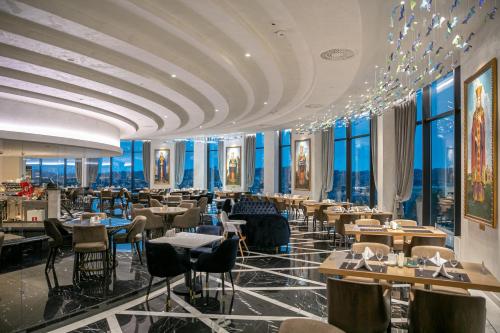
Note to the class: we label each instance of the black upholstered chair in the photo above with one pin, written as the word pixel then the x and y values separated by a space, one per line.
pixel 433 312
pixel 382 239
pixel 206 230
pixel 164 262
pixel 301 325
pixel 221 261
pixel 358 306
pixel 56 241
pixel 226 207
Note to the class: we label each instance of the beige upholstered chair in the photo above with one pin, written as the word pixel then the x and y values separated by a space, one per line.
pixel 154 223
pixel 299 325
pixel 133 236
pixel 203 203
pixel 362 307
pixel 433 312
pixel 398 240
pixel 88 216
pixel 421 240
pixel 187 205
pixel 367 222
pixel 382 239
pixel 360 247
pixel 155 203
pixel 89 243
pixel 136 206
pixel 194 202
pixel 189 220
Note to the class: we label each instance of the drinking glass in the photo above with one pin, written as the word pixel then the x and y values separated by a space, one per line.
pixel 352 254
pixel 379 255
pixel 454 263
pixel 425 258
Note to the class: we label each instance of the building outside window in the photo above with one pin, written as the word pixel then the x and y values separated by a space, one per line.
pixel 187 181
pixel 213 177
pixel 258 184
pixel 58 170
pixel 285 175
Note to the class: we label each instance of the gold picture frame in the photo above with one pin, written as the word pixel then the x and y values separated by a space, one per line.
pixel 302 165
pixel 233 166
pixel 480 146
pixel 162 166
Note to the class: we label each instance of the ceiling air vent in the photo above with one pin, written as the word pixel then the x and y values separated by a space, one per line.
pixel 313 106
pixel 337 54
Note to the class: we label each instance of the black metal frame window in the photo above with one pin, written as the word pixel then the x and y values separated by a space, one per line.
pixel 41 176
pixel 285 157
pixel 353 171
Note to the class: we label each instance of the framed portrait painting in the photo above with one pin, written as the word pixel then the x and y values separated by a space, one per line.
pixel 302 164
pixel 480 151
pixel 162 166
pixel 233 166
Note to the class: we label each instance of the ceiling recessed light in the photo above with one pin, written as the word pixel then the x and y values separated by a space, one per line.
pixel 216 110
pixel 201 126
pixel 366 82
pixel 248 55
pixel 265 103
pixel 173 75
pixel 110 92
pixel 234 123
pixel 165 116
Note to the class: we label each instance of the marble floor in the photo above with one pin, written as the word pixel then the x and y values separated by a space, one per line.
pixel 269 288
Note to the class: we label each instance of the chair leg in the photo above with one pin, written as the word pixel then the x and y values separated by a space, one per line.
pixel 222 278
pixel 75 267
pixel 149 287
pixel 241 249
pixel 168 293
pixel 49 258
pixel 138 248
pixel 114 254
pixel 231 277
pixel 54 255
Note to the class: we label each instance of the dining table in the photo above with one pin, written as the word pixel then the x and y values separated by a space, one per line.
pixel 167 212
pixel 188 241
pixel 466 275
pixel 409 231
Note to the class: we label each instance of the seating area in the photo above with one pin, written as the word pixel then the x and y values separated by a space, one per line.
pixel 249 166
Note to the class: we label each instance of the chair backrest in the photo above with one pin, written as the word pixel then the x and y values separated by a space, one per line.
pixel 152 221
pixel 187 205
pixel 208 230
pixel 89 234
pixel 225 254
pixel 106 194
pixel 434 311
pixel 224 217
pixel 2 236
pixel 163 260
pixel 174 198
pixel 137 227
pixel 202 203
pixel 226 207
pixel 300 325
pixel 194 202
pixel 433 241
pixel 430 251
pixel 367 222
pixel 155 203
pixel 360 247
pixel 87 216
pixel 382 239
pixel 357 306
pixel 190 219
pixel 53 232
pixel 406 223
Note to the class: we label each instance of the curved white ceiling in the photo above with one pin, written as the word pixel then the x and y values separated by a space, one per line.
pixel 164 68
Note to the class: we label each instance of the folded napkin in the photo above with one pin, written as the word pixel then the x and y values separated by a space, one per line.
pixel 437 260
pixel 442 272
pixel 362 263
pixel 367 253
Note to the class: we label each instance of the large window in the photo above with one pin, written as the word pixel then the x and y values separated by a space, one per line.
pixel 187 181
pixel 125 170
pixel 352 176
pixel 258 183
pixel 434 197
pixel 57 170
pixel 285 176
pixel 213 177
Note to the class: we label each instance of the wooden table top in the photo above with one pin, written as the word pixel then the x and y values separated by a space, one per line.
pixel 167 210
pixel 332 212
pixel 478 280
pixel 425 231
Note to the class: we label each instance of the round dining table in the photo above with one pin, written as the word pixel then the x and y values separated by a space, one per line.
pixel 166 211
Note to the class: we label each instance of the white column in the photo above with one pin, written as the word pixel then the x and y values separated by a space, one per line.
pixel 386 161
pixel 271 161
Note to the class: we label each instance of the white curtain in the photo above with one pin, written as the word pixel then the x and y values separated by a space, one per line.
pixel 92 169
pixel 146 159
pixel 327 152
pixel 78 170
pixel 220 159
pixel 180 161
pixel 405 122
pixel 250 160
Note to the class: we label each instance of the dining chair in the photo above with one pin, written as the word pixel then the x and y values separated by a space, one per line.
pixel 187 221
pixel 382 239
pixel 155 203
pixel 133 236
pixel 309 211
pixel 154 223
pixel 91 251
pixel 399 241
pixel 222 261
pixel 106 196
pixel 367 222
pixel 230 228
pixel 163 261
pixel 187 205
pixel 436 311
pixel 56 241
pixel 321 217
pixel 144 198
pixel 88 216
pixel 358 307
pixel 213 230
pixel 421 240
pixel 359 248
pixel 300 325
pixel 194 202
pixel 203 203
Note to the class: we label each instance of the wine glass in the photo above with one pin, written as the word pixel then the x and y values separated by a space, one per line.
pixel 352 254
pixel 454 263
pixel 425 258
pixel 379 255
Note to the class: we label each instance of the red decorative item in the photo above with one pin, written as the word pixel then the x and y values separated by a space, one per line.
pixel 26 189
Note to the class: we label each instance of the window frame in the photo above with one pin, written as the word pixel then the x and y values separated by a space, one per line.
pixel 281 146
